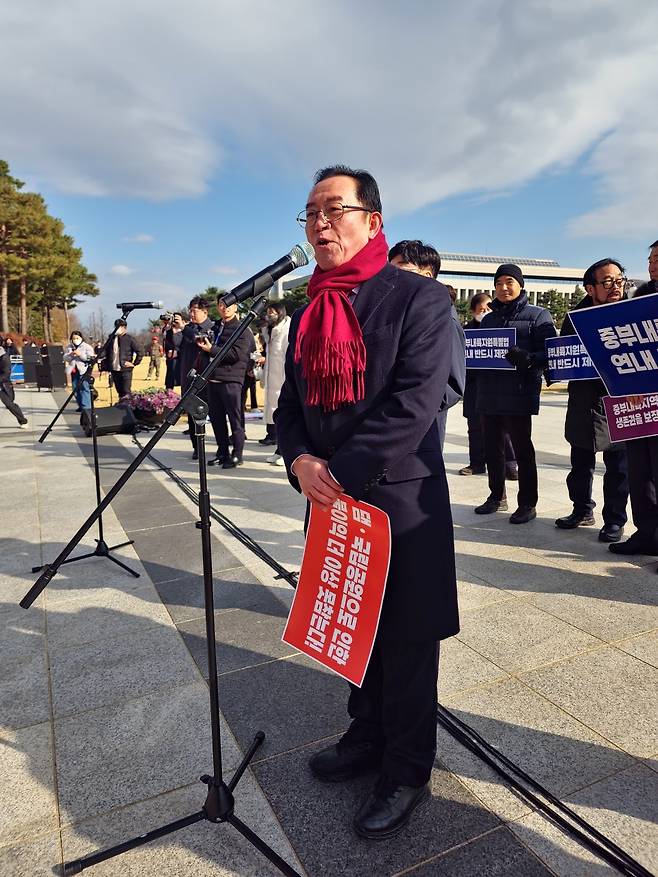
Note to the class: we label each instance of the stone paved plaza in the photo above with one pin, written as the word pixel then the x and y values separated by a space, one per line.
pixel 104 727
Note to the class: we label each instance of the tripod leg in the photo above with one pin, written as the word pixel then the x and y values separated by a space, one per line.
pixel 121 545
pixel 123 566
pixel 262 847
pixel 258 741
pixel 78 865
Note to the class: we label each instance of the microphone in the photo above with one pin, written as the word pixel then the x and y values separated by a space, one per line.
pixel 134 305
pixel 301 254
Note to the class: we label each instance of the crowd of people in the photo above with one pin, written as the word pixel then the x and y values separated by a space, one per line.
pixel 357 387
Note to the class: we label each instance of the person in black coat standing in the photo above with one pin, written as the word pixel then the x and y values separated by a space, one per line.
pixel 191 356
pixel 225 386
pixel 360 417
pixel 586 428
pixel 643 463
pixel 508 399
pixel 120 356
pixel 423 259
pixel 479 305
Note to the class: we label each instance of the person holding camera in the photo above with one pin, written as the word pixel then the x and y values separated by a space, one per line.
pixel 173 325
pixel 225 385
pixel 193 356
pixel 79 358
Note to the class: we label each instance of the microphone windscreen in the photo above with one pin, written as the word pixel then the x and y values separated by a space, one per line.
pixel 301 254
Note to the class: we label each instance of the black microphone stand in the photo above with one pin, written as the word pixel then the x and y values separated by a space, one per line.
pixel 219 803
pixel 102 548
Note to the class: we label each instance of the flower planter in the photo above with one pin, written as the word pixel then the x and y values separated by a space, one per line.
pixel 148 418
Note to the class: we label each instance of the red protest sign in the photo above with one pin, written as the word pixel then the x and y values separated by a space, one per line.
pixel 338 600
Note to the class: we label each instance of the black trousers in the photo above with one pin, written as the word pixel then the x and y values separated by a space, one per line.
pixel 615 483
pixel 170 381
pixel 643 480
pixel 519 429
pixel 249 389
pixel 477 457
pixel 123 381
pixel 225 401
pixel 7 399
pixel 396 708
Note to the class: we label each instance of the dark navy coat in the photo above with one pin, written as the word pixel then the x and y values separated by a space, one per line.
pixel 516 392
pixel 385 449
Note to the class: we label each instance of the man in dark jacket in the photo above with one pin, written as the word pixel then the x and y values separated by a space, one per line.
pixel 508 399
pixel 643 464
pixel 192 356
pixel 7 388
pixel 586 427
pixel 225 386
pixel 121 354
pixel 423 259
pixel 372 433
pixel 479 305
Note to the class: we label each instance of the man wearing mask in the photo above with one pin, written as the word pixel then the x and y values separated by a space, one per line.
pixel 423 259
pixel 275 337
pixel 509 398
pixel 79 358
pixel 366 370
pixel 479 305
pixel 643 464
pixel 192 356
pixel 225 385
pixel 122 354
pixel 586 428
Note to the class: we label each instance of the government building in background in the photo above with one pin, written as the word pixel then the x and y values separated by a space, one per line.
pixel 470 273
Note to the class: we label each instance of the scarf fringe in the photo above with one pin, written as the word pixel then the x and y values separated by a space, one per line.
pixel 334 371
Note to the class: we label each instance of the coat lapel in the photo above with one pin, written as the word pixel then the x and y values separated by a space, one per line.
pixel 373 293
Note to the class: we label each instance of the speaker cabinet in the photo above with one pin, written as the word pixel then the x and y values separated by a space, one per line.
pixel 116 419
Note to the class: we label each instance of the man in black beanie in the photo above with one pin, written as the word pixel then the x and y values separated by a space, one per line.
pixel 508 399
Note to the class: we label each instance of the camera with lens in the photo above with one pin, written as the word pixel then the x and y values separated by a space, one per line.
pixel 166 316
pixel 203 336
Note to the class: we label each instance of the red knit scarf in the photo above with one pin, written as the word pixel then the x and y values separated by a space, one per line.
pixel 329 340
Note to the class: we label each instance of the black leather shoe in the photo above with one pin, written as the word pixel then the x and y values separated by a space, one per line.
pixel 341 762
pixel 472 470
pixel 634 545
pixel 511 475
pixel 268 440
pixel 611 533
pixel 195 455
pixel 219 460
pixel 575 519
pixel 523 514
pixel 491 505
pixel 232 462
pixel 388 808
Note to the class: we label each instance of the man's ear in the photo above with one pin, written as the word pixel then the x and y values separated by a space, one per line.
pixel 589 289
pixel 375 223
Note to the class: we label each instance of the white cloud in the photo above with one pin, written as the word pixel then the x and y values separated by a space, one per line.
pixel 436 99
pixel 122 270
pixel 141 238
pixel 227 270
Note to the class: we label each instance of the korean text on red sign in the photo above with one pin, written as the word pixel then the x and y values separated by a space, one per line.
pixel 337 604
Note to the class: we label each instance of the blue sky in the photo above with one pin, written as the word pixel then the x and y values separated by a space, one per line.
pixel 178 145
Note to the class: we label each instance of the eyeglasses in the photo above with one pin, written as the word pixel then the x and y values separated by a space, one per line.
pixel 609 282
pixel 332 213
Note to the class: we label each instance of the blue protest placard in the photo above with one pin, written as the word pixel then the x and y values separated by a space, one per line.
pixel 486 348
pixel 568 360
pixel 622 341
pixel 17 369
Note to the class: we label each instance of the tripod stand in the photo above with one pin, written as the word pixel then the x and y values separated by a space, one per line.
pixel 102 548
pixel 219 803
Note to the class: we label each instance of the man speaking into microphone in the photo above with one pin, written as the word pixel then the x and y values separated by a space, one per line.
pixel 366 369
